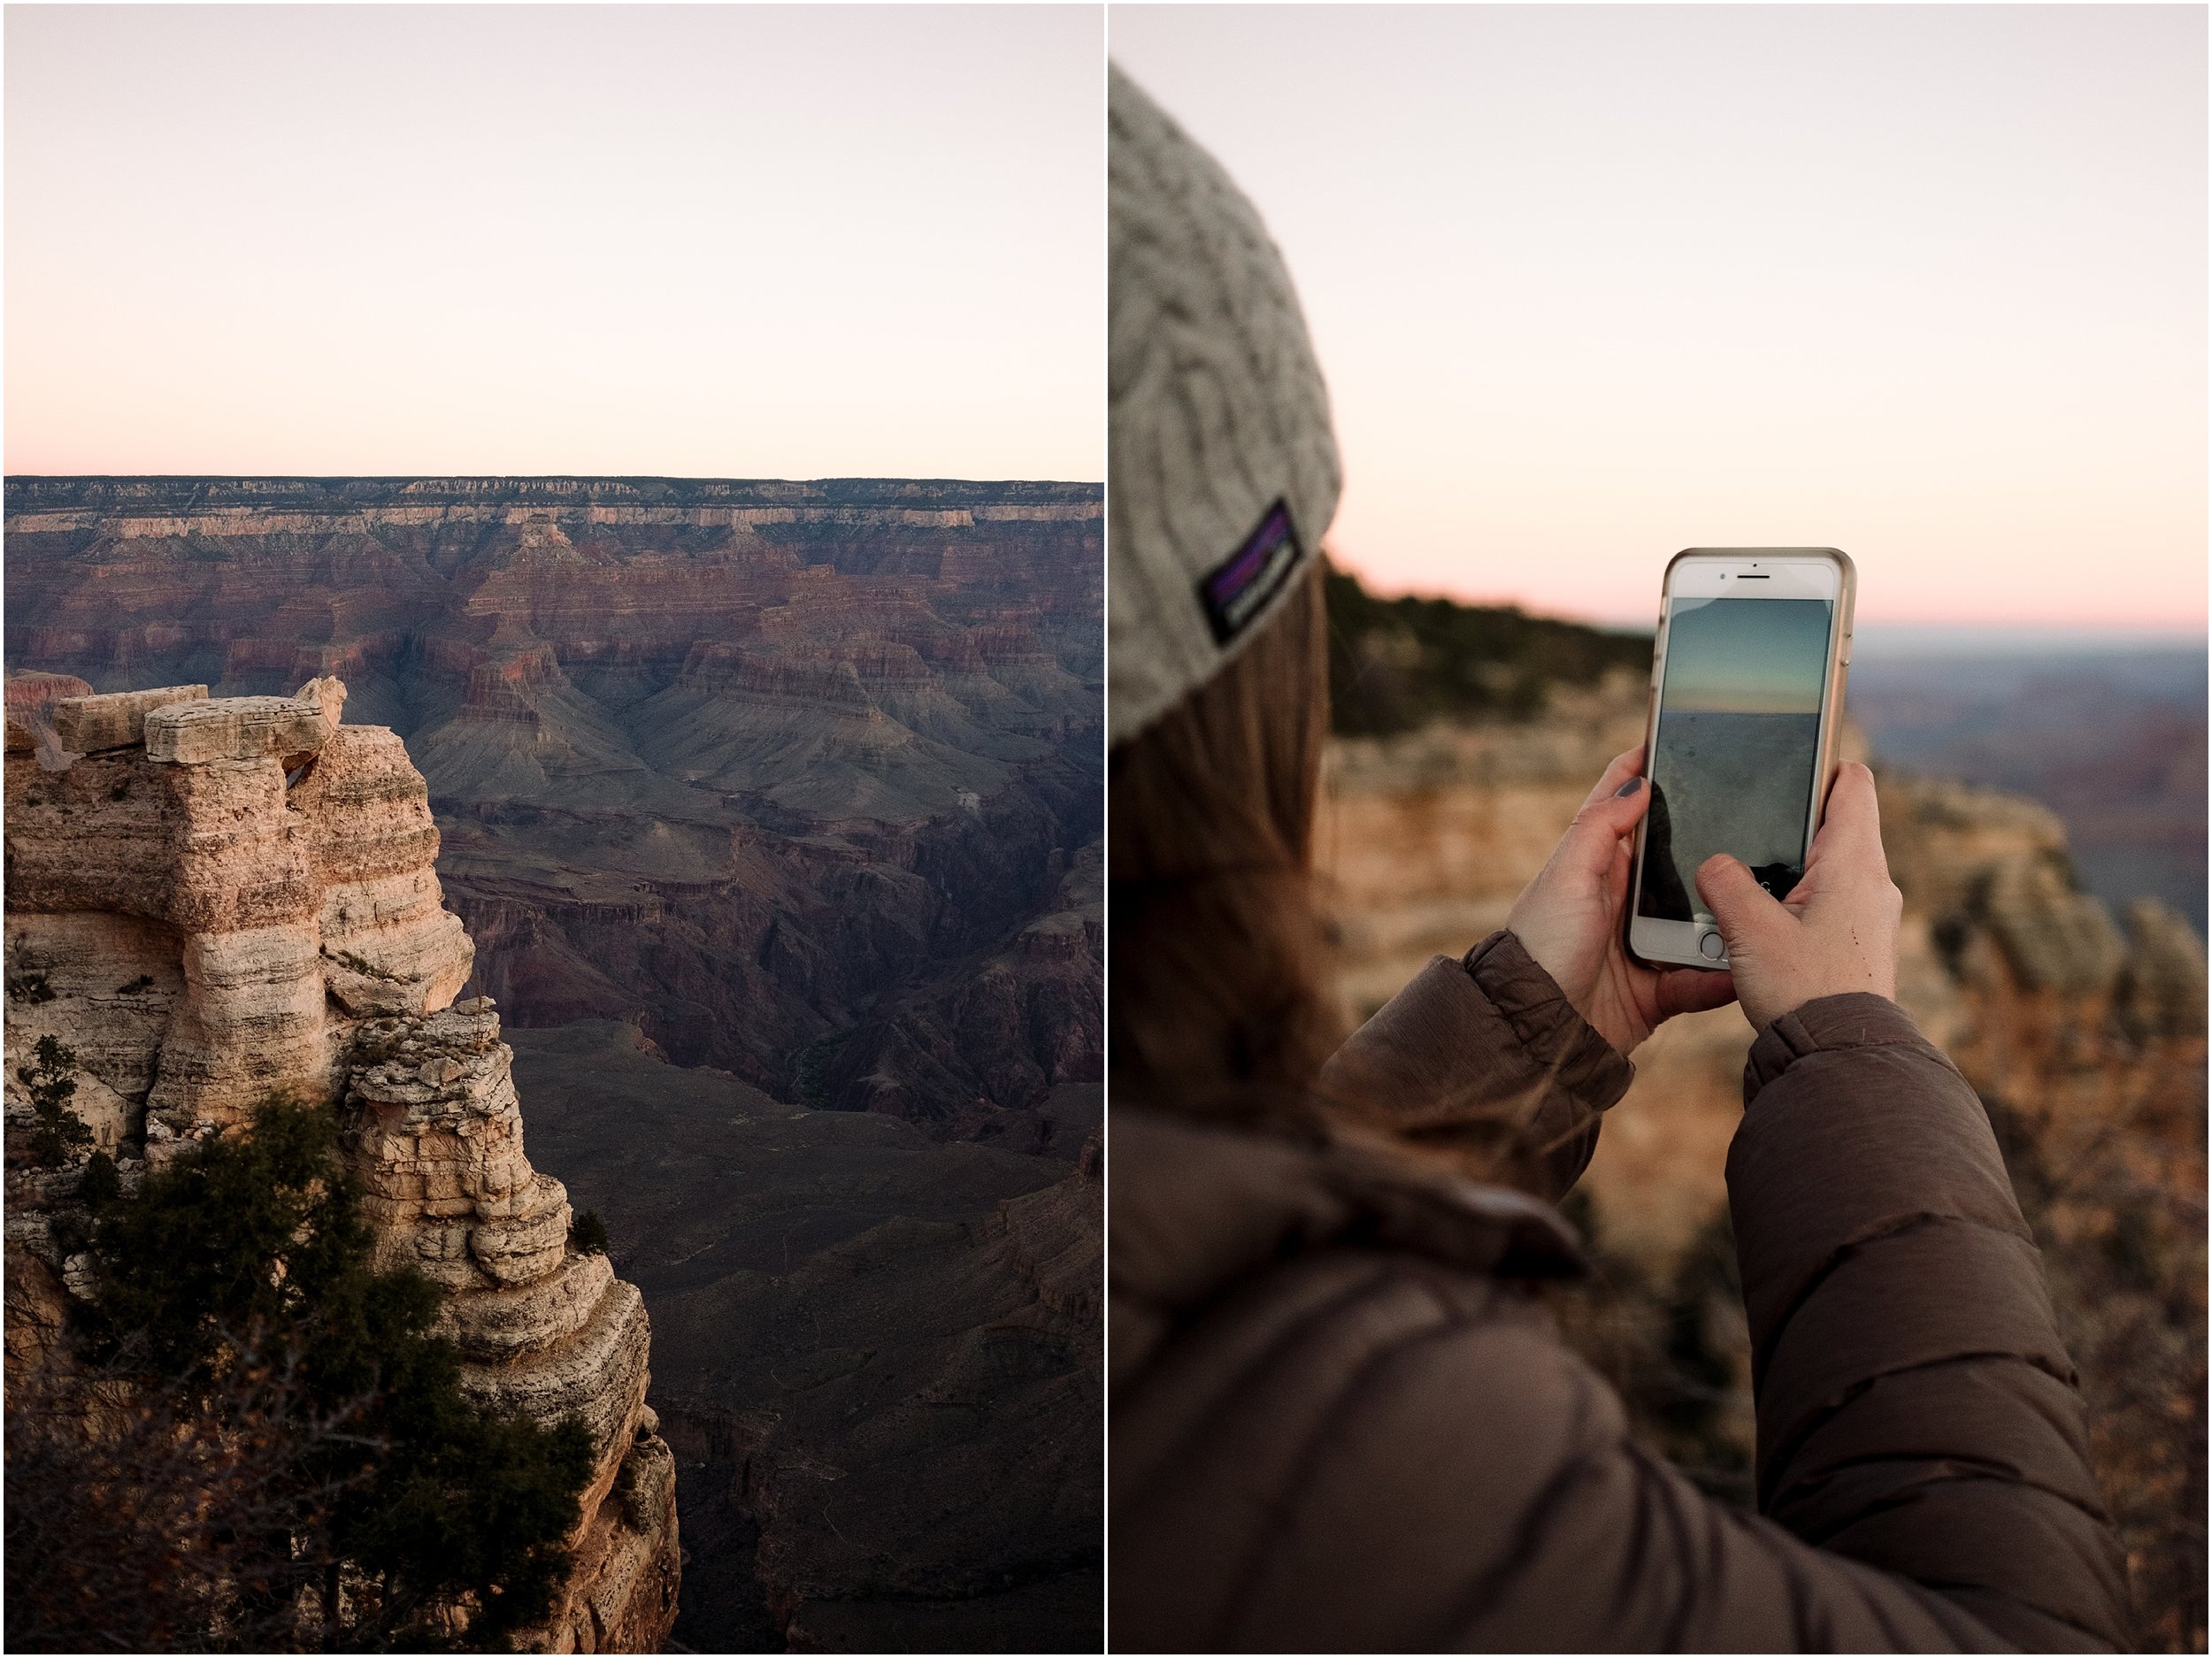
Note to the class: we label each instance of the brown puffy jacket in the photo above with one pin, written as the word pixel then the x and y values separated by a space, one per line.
pixel 1341 1422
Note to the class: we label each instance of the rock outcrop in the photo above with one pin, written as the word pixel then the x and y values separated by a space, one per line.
pixel 214 900
pixel 217 922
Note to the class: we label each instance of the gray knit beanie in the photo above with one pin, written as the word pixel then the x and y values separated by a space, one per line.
pixel 1223 467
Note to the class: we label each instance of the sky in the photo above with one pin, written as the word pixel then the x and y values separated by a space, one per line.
pixel 695 241
pixel 1593 284
pixel 1747 655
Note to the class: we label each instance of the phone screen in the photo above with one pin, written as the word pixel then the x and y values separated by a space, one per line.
pixel 1732 767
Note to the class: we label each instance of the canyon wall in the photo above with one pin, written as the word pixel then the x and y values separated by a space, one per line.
pixel 766 769
pixel 212 901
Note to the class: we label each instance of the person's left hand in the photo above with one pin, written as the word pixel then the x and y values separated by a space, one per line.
pixel 1570 919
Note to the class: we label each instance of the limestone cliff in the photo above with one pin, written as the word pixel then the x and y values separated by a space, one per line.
pixel 215 900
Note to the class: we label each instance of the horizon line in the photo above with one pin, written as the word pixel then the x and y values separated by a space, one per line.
pixel 1879 631
pixel 1882 632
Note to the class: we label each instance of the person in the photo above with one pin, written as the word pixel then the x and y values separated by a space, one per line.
pixel 1341 1414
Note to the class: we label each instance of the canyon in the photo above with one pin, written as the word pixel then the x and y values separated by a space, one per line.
pixel 758 768
pixel 2113 742
pixel 771 811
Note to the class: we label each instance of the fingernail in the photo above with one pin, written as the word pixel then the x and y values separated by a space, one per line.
pixel 1628 788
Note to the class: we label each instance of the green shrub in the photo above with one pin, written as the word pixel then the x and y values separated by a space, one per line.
pixel 100 1184
pixel 588 1233
pixel 235 1294
pixel 58 1134
pixel 1396 664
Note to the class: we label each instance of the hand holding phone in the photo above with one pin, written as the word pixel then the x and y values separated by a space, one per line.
pixel 1568 919
pixel 1837 930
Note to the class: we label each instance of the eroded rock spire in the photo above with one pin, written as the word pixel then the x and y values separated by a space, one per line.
pixel 211 901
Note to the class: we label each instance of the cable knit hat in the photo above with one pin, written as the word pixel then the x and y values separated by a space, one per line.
pixel 1223 465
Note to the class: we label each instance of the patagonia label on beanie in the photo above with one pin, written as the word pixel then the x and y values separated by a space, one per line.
pixel 1238 589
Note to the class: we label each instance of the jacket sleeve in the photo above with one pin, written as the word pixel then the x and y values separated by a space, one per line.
pixel 1385 1454
pixel 1916 1409
pixel 1485 1058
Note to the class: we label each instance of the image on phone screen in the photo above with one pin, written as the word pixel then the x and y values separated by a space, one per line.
pixel 1738 739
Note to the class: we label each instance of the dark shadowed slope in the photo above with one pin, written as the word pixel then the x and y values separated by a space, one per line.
pixel 876 1354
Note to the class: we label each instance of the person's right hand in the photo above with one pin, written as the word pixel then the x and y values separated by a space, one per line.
pixel 1835 931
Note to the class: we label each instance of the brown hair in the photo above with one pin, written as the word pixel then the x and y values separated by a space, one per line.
pixel 1218 1001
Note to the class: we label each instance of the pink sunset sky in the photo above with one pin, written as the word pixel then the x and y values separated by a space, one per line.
pixel 1591 284
pixel 758 241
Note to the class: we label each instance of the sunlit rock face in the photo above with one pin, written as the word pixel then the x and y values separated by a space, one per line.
pixel 251 876
pixel 212 901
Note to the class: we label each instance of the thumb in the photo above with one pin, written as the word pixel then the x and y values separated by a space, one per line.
pixel 1744 911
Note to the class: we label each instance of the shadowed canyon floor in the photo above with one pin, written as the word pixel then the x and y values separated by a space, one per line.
pixel 877 1354
pixel 773 810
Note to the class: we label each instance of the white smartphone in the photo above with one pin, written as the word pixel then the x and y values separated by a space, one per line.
pixel 1747 671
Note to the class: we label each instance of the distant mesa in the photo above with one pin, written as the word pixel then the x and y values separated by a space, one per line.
pixel 30 694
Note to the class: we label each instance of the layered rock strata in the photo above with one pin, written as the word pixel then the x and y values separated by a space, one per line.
pixel 758 767
pixel 216 909
pixel 30 693
pixel 212 901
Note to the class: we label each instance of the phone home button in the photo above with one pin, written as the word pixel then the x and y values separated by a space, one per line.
pixel 1710 946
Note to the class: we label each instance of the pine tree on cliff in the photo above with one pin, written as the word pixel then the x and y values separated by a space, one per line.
pixel 58 1134
pixel 298 1466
